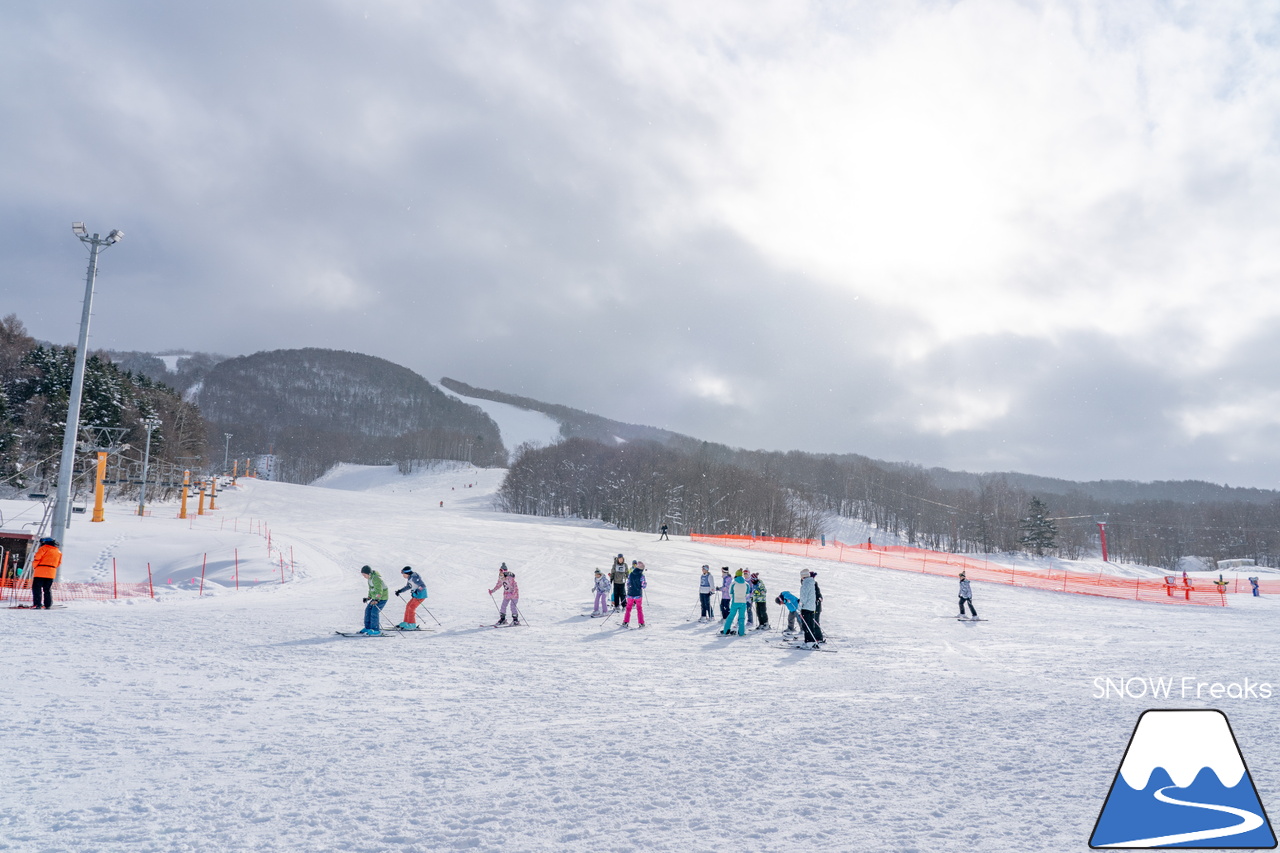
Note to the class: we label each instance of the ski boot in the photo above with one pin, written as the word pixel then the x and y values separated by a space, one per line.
pixel 515 621
pixel 502 619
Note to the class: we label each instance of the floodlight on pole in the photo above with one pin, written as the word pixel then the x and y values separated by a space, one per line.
pixel 226 453
pixel 62 500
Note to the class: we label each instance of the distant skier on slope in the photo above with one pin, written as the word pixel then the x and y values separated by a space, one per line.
pixel 636 584
pixel 618 574
pixel 373 602
pixel 1254 581
pixel 664 534
pixel 706 585
pixel 966 596
pixel 739 596
pixel 601 589
pixel 510 597
pixel 751 588
pixel 417 589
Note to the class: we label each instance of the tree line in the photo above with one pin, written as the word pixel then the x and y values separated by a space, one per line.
pixel 35 390
pixel 711 488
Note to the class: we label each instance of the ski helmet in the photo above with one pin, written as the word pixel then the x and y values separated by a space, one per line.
pixel 407 570
pixel 598 571
pixel 706 568
pixel 364 570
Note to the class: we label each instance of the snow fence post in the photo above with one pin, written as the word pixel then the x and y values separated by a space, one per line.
pixel 115 586
pixel 203 563
pixel 237 556
pixel 150 585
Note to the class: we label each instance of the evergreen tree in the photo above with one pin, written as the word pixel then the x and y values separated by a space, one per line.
pixel 1039 533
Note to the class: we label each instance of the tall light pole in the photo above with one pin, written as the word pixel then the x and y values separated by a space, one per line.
pixel 226 453
pixel 62 501
pixel 150 424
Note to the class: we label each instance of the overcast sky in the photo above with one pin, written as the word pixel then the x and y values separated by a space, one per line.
pixel 986 235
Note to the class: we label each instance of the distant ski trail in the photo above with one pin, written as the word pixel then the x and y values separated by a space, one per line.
pixel 1250 821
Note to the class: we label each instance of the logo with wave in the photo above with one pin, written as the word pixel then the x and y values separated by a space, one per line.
pixel 1183 783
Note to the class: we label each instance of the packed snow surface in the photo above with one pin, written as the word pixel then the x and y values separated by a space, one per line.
pixel 238 720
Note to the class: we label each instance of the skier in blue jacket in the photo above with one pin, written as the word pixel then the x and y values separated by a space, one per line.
pixel 635 593
pixel 417 589
pixel 792 604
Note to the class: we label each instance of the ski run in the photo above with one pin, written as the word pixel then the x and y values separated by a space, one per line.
pixel 238 720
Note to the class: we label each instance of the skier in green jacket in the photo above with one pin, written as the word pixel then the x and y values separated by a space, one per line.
pixel 374 602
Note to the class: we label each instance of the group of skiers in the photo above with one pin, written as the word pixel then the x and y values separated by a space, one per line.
pixel 378 595
pixel 737 593
pixel 628 586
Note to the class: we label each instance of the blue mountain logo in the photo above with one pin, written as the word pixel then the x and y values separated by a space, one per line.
pixel 1183 783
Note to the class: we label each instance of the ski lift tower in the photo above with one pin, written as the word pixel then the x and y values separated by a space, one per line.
pixel 62 502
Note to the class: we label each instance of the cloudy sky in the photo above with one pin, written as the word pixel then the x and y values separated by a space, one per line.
pixel 985 234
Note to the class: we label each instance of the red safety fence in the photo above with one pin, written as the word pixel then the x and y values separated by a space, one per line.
pixel 15 592
pixel 941 563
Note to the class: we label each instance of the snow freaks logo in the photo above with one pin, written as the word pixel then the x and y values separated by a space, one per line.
pixel 1183 783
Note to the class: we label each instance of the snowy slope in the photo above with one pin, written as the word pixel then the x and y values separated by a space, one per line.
pixel 516 425
pixel 239 721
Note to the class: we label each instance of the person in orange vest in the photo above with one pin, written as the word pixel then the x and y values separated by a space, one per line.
pixel 44 568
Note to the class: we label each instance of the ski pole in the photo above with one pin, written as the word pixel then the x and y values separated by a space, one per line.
pixel 495 604
pixel 433 616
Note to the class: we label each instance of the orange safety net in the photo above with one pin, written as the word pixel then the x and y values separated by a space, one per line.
pixel 939 563
pixel 14 591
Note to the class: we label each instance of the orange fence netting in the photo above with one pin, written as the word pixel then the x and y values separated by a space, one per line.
pixel 17 592
pixel 920 560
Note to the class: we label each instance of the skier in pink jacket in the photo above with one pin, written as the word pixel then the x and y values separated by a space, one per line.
pixel 510 596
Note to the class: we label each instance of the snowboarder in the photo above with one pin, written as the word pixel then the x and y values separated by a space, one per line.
pixel 1254 581
pixel 808 601
pixel 739 596
pixel 966 595
pixel 635 593
pixel 417 589
pixel 758 595
pixel 618 574
pixel 601 589
pixel 706 585
pixel 510 597
pixel 664 534
pixel 373 602
pixel 789 601
pixel 726 583
pixel 44 568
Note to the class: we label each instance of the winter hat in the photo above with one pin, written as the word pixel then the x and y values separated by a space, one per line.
pixel 962 576
pixel 724 568
pixel 364 570
pixel 706 568
pixel 778 600
pixel 597 571
pixel 738 573
pixel 407 570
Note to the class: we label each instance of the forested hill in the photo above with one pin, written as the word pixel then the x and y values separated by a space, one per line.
pixel 1116 491
pixel 315 407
